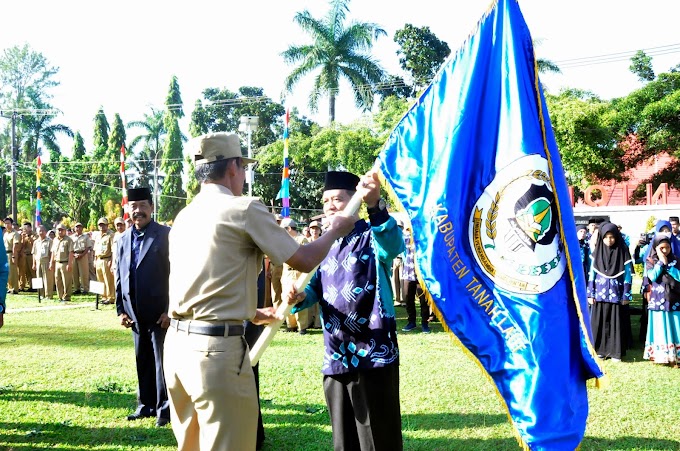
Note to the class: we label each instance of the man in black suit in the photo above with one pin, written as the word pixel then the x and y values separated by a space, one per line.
pixel 142 302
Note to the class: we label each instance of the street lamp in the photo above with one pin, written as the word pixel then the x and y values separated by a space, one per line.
pixel 248 125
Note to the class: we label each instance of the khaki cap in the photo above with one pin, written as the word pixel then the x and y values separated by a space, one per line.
pixel 217 146
pixel 118 220
pixel 103 220
pixel 61 226
pixel 315 224
pixel 78 224
pixel 288 222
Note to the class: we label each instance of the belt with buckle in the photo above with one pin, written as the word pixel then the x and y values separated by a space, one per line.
pixel 103 258
pixel 221 330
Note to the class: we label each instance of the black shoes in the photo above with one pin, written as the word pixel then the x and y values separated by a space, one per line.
pixel 138 416
pixel 161 422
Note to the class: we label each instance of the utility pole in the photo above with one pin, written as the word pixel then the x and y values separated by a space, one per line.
pixel 14 166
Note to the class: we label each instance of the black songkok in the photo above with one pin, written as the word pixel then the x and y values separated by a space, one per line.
pixel 341 180
pixel 139 194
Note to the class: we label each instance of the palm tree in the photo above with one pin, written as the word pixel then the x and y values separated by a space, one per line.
pixel 337 52
pixel 142 166
pixel 38 128
pixel 153 140
pixel 545 65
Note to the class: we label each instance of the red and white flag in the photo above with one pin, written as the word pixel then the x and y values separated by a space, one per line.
pixel 124 201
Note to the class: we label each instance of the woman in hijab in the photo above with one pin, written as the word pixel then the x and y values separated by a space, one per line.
pixel 662 344
pixel 661 226
pixel 609 293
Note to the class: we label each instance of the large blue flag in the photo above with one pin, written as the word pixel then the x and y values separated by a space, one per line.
pixel 475 164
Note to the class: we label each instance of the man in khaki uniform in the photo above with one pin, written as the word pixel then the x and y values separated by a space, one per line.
pixel 62 263
pixel 12 240
pixel 42 252
pixel 26 256
pixel 315 318
pixel 300 320
pixel 217 244
pixel 103 252
pixel 275 273
pixel 82 246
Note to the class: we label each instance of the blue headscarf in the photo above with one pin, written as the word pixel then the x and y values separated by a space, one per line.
pixel 675 242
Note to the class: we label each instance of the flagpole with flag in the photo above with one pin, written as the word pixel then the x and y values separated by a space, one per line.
pixel 124 200
pixel 284 192
pixel 38 191
pixel 475 164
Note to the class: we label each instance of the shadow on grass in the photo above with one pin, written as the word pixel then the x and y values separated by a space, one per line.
pixel 105 400
pixel 307 427
pixel 32 436
pixel 623 443
pixel 60 336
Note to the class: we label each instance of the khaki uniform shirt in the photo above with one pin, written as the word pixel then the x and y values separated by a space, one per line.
pixel 103 244
pixel 42 249
pixel 289 274
pixel 217 244
pixel 27 243
pixel 80 243
pixel 10 239
pixel 61 249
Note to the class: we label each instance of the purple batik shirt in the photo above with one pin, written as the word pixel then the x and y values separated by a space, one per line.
pixel 353 288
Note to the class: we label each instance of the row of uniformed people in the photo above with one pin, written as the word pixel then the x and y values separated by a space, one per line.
pixel 67 261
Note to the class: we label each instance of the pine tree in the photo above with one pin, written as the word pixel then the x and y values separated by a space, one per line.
pixel 98 169
pixel 173 195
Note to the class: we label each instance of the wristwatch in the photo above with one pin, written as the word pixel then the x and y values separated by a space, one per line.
pixel 382 205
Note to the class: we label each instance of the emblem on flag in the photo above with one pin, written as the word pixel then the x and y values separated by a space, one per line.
pixel 514 231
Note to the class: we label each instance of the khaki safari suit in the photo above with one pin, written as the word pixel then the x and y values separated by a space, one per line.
pixel 103 252
pixel 81 267
pixel 25 266
pixel 42 252
pixel 62 251
pixel 276 272
pixel 217 244
pixel 289 276
pixel 12 242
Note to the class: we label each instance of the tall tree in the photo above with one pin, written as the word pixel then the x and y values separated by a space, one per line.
pixel 76 200
pixel 223 110
pixel 153 139
pixel 337 52
pixel 100 169
pixel 420 52
pixel 641 65
pixel 585 137
pixel 101 134
pixel 173 196
pixel 173 102
pixel 23 70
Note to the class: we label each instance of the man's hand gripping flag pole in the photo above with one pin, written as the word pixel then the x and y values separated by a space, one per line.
pixel 284 309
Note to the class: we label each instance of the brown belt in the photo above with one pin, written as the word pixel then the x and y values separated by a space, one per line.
pixel 103 258
pixel 221 330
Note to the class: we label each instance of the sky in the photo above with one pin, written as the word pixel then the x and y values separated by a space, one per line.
pixel 122 55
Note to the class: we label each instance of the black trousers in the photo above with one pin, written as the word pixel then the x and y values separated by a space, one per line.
pixel 152 393
pixel 252 333
pixel 413 290
pixel 364 409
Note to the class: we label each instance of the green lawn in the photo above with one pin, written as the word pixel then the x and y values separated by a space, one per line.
pixel 67 381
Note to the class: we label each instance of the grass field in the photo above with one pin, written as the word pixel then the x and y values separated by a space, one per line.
pixel 67 381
